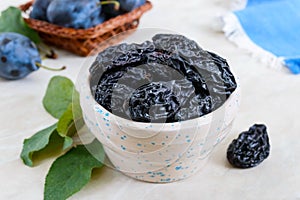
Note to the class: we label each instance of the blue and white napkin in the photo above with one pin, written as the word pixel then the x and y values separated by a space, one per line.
pixel 270 29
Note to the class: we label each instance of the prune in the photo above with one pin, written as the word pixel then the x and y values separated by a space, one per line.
pixel 170 79
pixel 153 101
pixel 250 149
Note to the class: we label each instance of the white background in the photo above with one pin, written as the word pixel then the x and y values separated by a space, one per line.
pixel 268 96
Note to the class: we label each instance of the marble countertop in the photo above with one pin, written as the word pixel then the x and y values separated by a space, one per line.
pixel 268 96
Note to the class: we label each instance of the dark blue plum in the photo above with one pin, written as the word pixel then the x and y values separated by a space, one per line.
pixel 77 14
pixel 129 5
pixel 125 6
pixel 110 11
pixel 39 10
pixel 98 19
pixel 18 56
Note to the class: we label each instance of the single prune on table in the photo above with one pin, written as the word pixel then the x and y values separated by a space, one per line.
pixel 170 79
pixel 250 148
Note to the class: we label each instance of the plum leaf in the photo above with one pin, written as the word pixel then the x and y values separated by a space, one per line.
pixel 72 171
pixel 11 21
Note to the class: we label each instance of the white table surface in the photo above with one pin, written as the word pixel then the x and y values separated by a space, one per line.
pixel 268 96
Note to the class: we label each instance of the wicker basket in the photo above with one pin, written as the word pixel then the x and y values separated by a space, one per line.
pixel 86 42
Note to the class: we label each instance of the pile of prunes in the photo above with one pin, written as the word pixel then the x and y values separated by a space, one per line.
pixel 168 79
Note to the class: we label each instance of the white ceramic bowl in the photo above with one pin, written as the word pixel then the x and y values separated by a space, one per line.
pixel 157 152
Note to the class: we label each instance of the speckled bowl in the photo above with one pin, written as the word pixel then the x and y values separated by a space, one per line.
pixel 157 152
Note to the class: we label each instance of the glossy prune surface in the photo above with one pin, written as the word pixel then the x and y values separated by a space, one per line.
pixel 250 148
pixel 169 79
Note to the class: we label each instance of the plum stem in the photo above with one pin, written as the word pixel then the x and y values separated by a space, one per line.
pixel 117 4
pixel 48 68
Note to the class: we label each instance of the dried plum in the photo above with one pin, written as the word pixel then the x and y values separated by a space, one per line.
pixel 169 79
pixel 153 101
pixel 250 149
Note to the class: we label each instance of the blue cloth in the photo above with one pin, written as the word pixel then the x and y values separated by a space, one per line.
pixel 257 2
pixel 274 25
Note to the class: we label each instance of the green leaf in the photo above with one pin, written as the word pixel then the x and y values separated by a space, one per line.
pixel 72 171
pixel 77 111
pixel 66 126
pixel 53 149
pixel 70 121
pixel 11 21
pixel 68 142
pixel 58 96
pixel 36 143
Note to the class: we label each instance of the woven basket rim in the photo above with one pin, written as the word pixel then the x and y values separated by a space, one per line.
pixel 94 32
